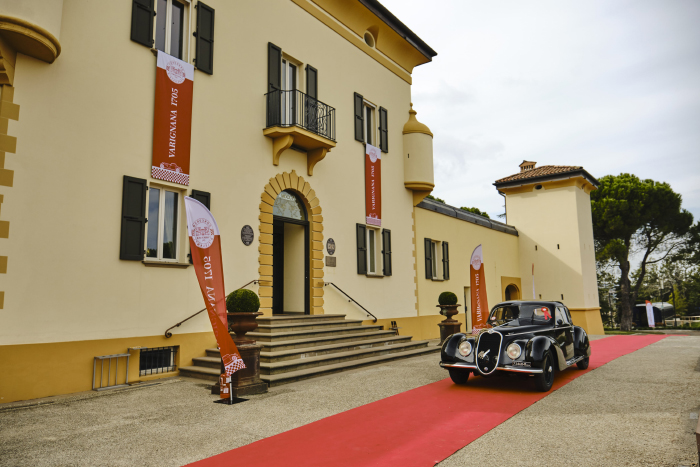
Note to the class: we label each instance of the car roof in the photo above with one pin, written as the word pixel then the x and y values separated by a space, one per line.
pixel 529 302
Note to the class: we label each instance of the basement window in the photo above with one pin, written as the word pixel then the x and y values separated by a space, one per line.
pixel 157 360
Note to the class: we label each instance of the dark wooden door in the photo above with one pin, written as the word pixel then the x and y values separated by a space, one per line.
pixel 277 267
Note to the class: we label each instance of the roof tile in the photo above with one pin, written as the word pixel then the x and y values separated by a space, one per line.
pixel 540 172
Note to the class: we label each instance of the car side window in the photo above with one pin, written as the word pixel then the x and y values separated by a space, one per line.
pixel 560 314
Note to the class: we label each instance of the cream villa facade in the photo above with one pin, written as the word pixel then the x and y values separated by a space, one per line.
pixel 93 249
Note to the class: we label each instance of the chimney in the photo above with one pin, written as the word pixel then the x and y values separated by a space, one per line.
pixel 527 165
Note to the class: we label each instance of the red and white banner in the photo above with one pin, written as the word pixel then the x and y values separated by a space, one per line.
pixel 373 185
pixel 480 306
pixel 650 315
pixel 205 243
pixel 172 121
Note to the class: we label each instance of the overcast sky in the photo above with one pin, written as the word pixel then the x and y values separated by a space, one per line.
pixel 611 85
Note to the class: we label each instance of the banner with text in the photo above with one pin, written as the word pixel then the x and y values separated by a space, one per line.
pixel 205 243
pixel 373 185
pixel 480 306
pixel 172 121
pixel 650 315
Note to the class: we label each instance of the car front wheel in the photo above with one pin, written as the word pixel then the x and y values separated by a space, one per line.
pixel 459 376
pixel 544 380
pixel 583 364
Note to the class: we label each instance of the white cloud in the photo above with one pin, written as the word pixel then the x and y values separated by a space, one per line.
pixel 612 86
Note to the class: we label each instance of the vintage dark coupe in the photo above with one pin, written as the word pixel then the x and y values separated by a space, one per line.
pixel 534 338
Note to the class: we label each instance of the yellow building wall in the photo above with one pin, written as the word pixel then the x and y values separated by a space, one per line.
pixel 31 371
pixel 556 235
pixel 501 259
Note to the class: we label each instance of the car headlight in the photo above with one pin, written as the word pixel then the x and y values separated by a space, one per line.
pixel 465 348
pixel 513 351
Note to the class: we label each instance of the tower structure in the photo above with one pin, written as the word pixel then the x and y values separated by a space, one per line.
pixel 551 208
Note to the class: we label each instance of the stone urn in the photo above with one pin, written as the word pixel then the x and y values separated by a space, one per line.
pixel 242 323
pixel 448 326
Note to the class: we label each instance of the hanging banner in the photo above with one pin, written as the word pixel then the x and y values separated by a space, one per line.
pixel 480 306
pixel 373 185
pixel 650 315
pixel 205 243
pixel 172 121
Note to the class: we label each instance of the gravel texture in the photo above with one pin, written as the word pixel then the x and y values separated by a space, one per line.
pixel 633 411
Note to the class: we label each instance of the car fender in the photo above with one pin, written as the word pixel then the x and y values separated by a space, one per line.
pixel 448 352
pixel 537 348
pixel 582 345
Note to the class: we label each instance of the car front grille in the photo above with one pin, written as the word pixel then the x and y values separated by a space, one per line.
pixel 488 350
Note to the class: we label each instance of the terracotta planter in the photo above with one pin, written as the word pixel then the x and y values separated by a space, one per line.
pixel 242 323
pixel 448 311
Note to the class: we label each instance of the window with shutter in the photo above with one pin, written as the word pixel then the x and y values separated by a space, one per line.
pixel 274 67
pixel 142 13
pixel 311 81
pixel 361 249
pixel 133 228
pixel 445 261
pixel 386 252
pixel 359 118
pixel 428 246
pixel 383 131
pixel 203 197
pixel 204 53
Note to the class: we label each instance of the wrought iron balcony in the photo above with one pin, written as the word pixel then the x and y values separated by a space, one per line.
pixel 294 108
pixel 296 119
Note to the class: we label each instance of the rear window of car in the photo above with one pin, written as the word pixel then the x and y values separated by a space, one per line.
pixel 520 315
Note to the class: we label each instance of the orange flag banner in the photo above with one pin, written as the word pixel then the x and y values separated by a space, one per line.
pixel 480 306
pixel 206 258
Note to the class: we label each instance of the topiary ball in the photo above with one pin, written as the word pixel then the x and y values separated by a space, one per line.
pixel 447 298
pixel 242 301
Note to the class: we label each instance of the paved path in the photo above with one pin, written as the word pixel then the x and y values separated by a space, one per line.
pixel 633 411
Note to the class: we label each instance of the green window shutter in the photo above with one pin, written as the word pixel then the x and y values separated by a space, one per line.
pixel 361 249
pixel 133 229
pixel 386 251
pixel 445 260
pixel 311 82
pixel 203 197
pixel 359 117
pixel 427 243
pixel 383 131
pixel 274 67
pixel 204 52
pixel 142 13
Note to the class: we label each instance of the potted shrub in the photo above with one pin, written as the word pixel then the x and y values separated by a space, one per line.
pixel 242 306
pixel 448 308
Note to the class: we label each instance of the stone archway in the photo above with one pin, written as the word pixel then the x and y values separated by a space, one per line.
pixel 277 184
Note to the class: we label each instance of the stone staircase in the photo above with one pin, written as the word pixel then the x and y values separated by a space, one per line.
pixel 296 347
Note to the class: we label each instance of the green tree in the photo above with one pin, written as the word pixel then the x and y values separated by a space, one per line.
pixel 436 199
pixel 636 216
pixel 476 211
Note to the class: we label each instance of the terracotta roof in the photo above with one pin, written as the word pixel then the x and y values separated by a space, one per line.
pixel 546 171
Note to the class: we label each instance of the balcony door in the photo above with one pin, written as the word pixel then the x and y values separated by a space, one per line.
pixel 289 85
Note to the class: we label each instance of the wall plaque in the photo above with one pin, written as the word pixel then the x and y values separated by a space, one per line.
pixel 330 246
pixel 247 235
pixel 330 261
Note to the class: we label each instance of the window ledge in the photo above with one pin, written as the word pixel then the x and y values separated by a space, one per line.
pixel 166 264
pixel 438 280
pixel 377 276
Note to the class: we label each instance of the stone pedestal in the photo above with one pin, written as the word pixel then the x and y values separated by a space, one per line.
pixel 448 326
pixel 247 381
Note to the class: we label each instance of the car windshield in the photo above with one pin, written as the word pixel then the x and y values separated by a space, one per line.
pixel 520 315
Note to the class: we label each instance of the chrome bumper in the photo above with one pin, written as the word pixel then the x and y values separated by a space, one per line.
pixel 513 369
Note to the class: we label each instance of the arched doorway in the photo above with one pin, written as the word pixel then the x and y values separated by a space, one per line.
pixel 512 292
pixel 290 255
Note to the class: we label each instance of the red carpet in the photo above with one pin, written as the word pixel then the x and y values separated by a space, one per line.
pixel 419 427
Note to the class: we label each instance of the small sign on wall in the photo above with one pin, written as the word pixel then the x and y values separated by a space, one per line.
pixel 247 235
pixel 330 246
pixel 330 261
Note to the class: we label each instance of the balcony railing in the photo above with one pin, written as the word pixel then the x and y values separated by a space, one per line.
pixel 294 108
